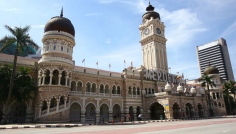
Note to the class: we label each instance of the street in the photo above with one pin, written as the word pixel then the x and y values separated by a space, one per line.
pixel 206 126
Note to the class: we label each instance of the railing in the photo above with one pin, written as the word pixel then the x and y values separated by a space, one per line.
pixel 44 112
pixel 161 93
pixel 53 109
pixel 91 93
pixel 61 107
pixel 75 92
pixel 53 87
pixel 49 59
pixel 104 94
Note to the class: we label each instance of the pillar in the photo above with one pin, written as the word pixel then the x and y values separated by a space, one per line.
pixel 48 105
pixel 51 75
pixel 83 115
pixel 58 101
pixel 59 78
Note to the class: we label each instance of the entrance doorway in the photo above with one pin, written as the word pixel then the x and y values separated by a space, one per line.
pixel 75 112
pixel 157 111
pixel 176 111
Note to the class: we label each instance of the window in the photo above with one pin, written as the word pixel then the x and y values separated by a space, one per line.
pixel 54 47
pixel 48 48
pixel 61 48
pixel 67 50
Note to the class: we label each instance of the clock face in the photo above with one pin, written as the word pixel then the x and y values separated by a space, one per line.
pixel 146 31
pixel 158 30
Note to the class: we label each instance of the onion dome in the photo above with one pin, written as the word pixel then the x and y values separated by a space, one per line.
pixel 193 90
pixel 211 70
pixel 180 89
pixel 150 13
pixel 60 23
pixel 202 91
pixel 167 87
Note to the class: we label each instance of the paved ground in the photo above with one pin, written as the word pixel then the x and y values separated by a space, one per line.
pixel 205 126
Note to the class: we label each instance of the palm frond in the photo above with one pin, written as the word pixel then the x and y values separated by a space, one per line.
pixel 11 30
pixel 6 41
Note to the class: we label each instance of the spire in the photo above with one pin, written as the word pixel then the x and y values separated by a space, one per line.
pixel 150 7
pixel 61 12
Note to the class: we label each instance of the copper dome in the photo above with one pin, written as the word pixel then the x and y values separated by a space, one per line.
pixel 211 70
pixel 60 23
pixel 150 13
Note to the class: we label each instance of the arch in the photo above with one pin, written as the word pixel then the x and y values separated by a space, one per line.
pixel 101 89
pixel 149 91
pixel 55 77
pixel 129 90
pixel 138 91
pixel 118 90
pixel 90 114
pixel 79 86
pixel 146 91
pixel 53 102
pixel 213 95
pixel 73 86
pixel 63 78
pixel 200 110
pixel 47 77
pixel 88 87
pixel 215 104
pixel 18 112
pixel 134 90
pixel 157 111
pixel 113 89
pixel 62 100
pixel 107 89
pixel 94 87
pixel 176 111
pixel 131 113
pixel 44 105
pixel 153 91
pixel 138 111
pixel 116 112
pixel 189 110
pixel 217 95
pixel 104 113
pixel 219 104
pixel 75 112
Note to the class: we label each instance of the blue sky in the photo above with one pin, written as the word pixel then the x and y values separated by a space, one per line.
pixel 107 30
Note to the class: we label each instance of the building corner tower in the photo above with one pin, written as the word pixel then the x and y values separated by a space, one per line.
pixel 153 41
pixel 55 69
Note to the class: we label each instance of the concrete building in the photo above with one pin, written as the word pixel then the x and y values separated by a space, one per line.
pixel 67 92
pixel 216 53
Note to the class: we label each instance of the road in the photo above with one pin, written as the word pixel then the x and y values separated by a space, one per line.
pixel 207 126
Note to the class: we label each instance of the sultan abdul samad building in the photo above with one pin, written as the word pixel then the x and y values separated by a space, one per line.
pixel 73 93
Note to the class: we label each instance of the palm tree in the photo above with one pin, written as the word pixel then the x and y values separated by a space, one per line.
pixel 229 88
pixel 206 82
pixel 22 39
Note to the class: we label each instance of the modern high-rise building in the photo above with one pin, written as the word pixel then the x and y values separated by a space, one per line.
pixel 216 53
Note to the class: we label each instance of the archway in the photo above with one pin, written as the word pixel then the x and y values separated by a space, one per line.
pixel 104 113
pixel 176 111
pixel 138 111
pixel 200 110
pixel 90 114
pixel 116 112
pixel 18 112
pixel 189 110
pixel 131 113
pixel 75 112
pixel 1 110
pixel 157 111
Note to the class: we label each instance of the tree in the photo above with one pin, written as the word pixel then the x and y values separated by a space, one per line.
pixel 206 82
pixel 23 84
pixel 229 88
pixel 22 39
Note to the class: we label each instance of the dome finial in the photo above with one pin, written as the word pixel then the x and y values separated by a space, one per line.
pixel 149 2
pixel 61 12
pixel 150 7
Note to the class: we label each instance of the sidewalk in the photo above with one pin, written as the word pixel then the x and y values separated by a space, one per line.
pixel 55 125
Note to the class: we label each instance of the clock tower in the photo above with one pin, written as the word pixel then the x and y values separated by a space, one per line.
pixel 153 41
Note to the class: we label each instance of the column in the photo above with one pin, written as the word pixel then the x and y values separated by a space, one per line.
pixel 110 111
pixel 43 78
pixel 97 112
pixel 39 80
pixel 51 75
pixel 65 99
pixel 66 80
pixel 83 114
pixel 58 101
pixel 135 113
pixel 40 109
pixel 48 105
pixel 59 78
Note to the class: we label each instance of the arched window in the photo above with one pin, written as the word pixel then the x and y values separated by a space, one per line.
pixel 55 77
pixel 134 91
pixel 118 90
pixel 79 86
pixel 149 91
pixel 138 91
pixel 214 95
pixel 53 103
pixel 101 88
pixel 61 48
pixel 62 100
pixel 93 87
pixel 146 91
pixel 47 77
pixel 153 91
pixel 63 78
pixel 113 89
pixel 129 91
pixel 217 95
pixel 44 105
pixel 88 87
pixel 215 104
pixel 54 47
pixel 73 86
pixel 107 89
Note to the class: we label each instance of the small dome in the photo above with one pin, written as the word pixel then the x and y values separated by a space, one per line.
pixel 60 23
pixel 167 87
pixel 150 13
pixel 211 70
pixel 180 89
pixel 202 91
pixel 193 90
